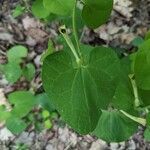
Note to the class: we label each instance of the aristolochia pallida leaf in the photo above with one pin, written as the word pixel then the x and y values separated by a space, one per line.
pixel 96 12
pixel 142 66
pixel 114 127
pixel 80 92
pixel 59 7
pixel 38 9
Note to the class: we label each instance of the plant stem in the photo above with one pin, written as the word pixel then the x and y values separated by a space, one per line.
pixel 135 91
pixel 74 28
pixel 141 121
pixel 62 30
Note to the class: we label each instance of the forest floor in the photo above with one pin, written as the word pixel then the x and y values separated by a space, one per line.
pixel 129 20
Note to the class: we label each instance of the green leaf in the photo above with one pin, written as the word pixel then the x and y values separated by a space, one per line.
pixel 19 10
pixel 22 101
pixel 45 102
pixel 38 10
pixel 45 114
pixel 142 66
pixel 96 12
pixel 123 98
pixel 48 124
pixel 114 127
pixel 59 7
pixel 12 72
pixel 16 53
pixel 15 125
pixel 144 96
pixel 137 41
pixel 4 114
pixel 147 134
pixel 80 92
pixel 29 71
pixel 126 65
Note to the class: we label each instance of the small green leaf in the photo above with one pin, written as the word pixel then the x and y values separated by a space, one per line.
pixel 12 72
pixel 19 10
pixel 142 66
pixel 45 102
pixel 59 7
pixel 45 114
pixel 96 12
pixel 82 90
pixel 15 125
pixel 29 71
pixel 16 53
pixel 38 10
pixel 114 127
pixel 23 102
pixel 137 41
pixel 48 124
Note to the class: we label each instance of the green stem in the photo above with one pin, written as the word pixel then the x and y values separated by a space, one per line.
pixel 62 30
pixel 135 91
pixel 141 121
pixel 74 28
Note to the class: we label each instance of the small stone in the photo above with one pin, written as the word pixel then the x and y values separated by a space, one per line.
pixel 5 134
pixel 122 145
pixel 30 41
pixel 63 134
pixel 49 147
pixel 114 146
pixel 98 145
pixel 32 135
pixel 131 145
pixel 37 61
pixel 25 139
pixel 73 139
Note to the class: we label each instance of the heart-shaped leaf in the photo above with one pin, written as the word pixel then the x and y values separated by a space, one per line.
pixel 16 53
pixel 96 12
pixel 114 127
pixel 23 102
pixel 12 72
pixel 38 9
pixel 59 7
pixel 80 92
pixel 124 98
